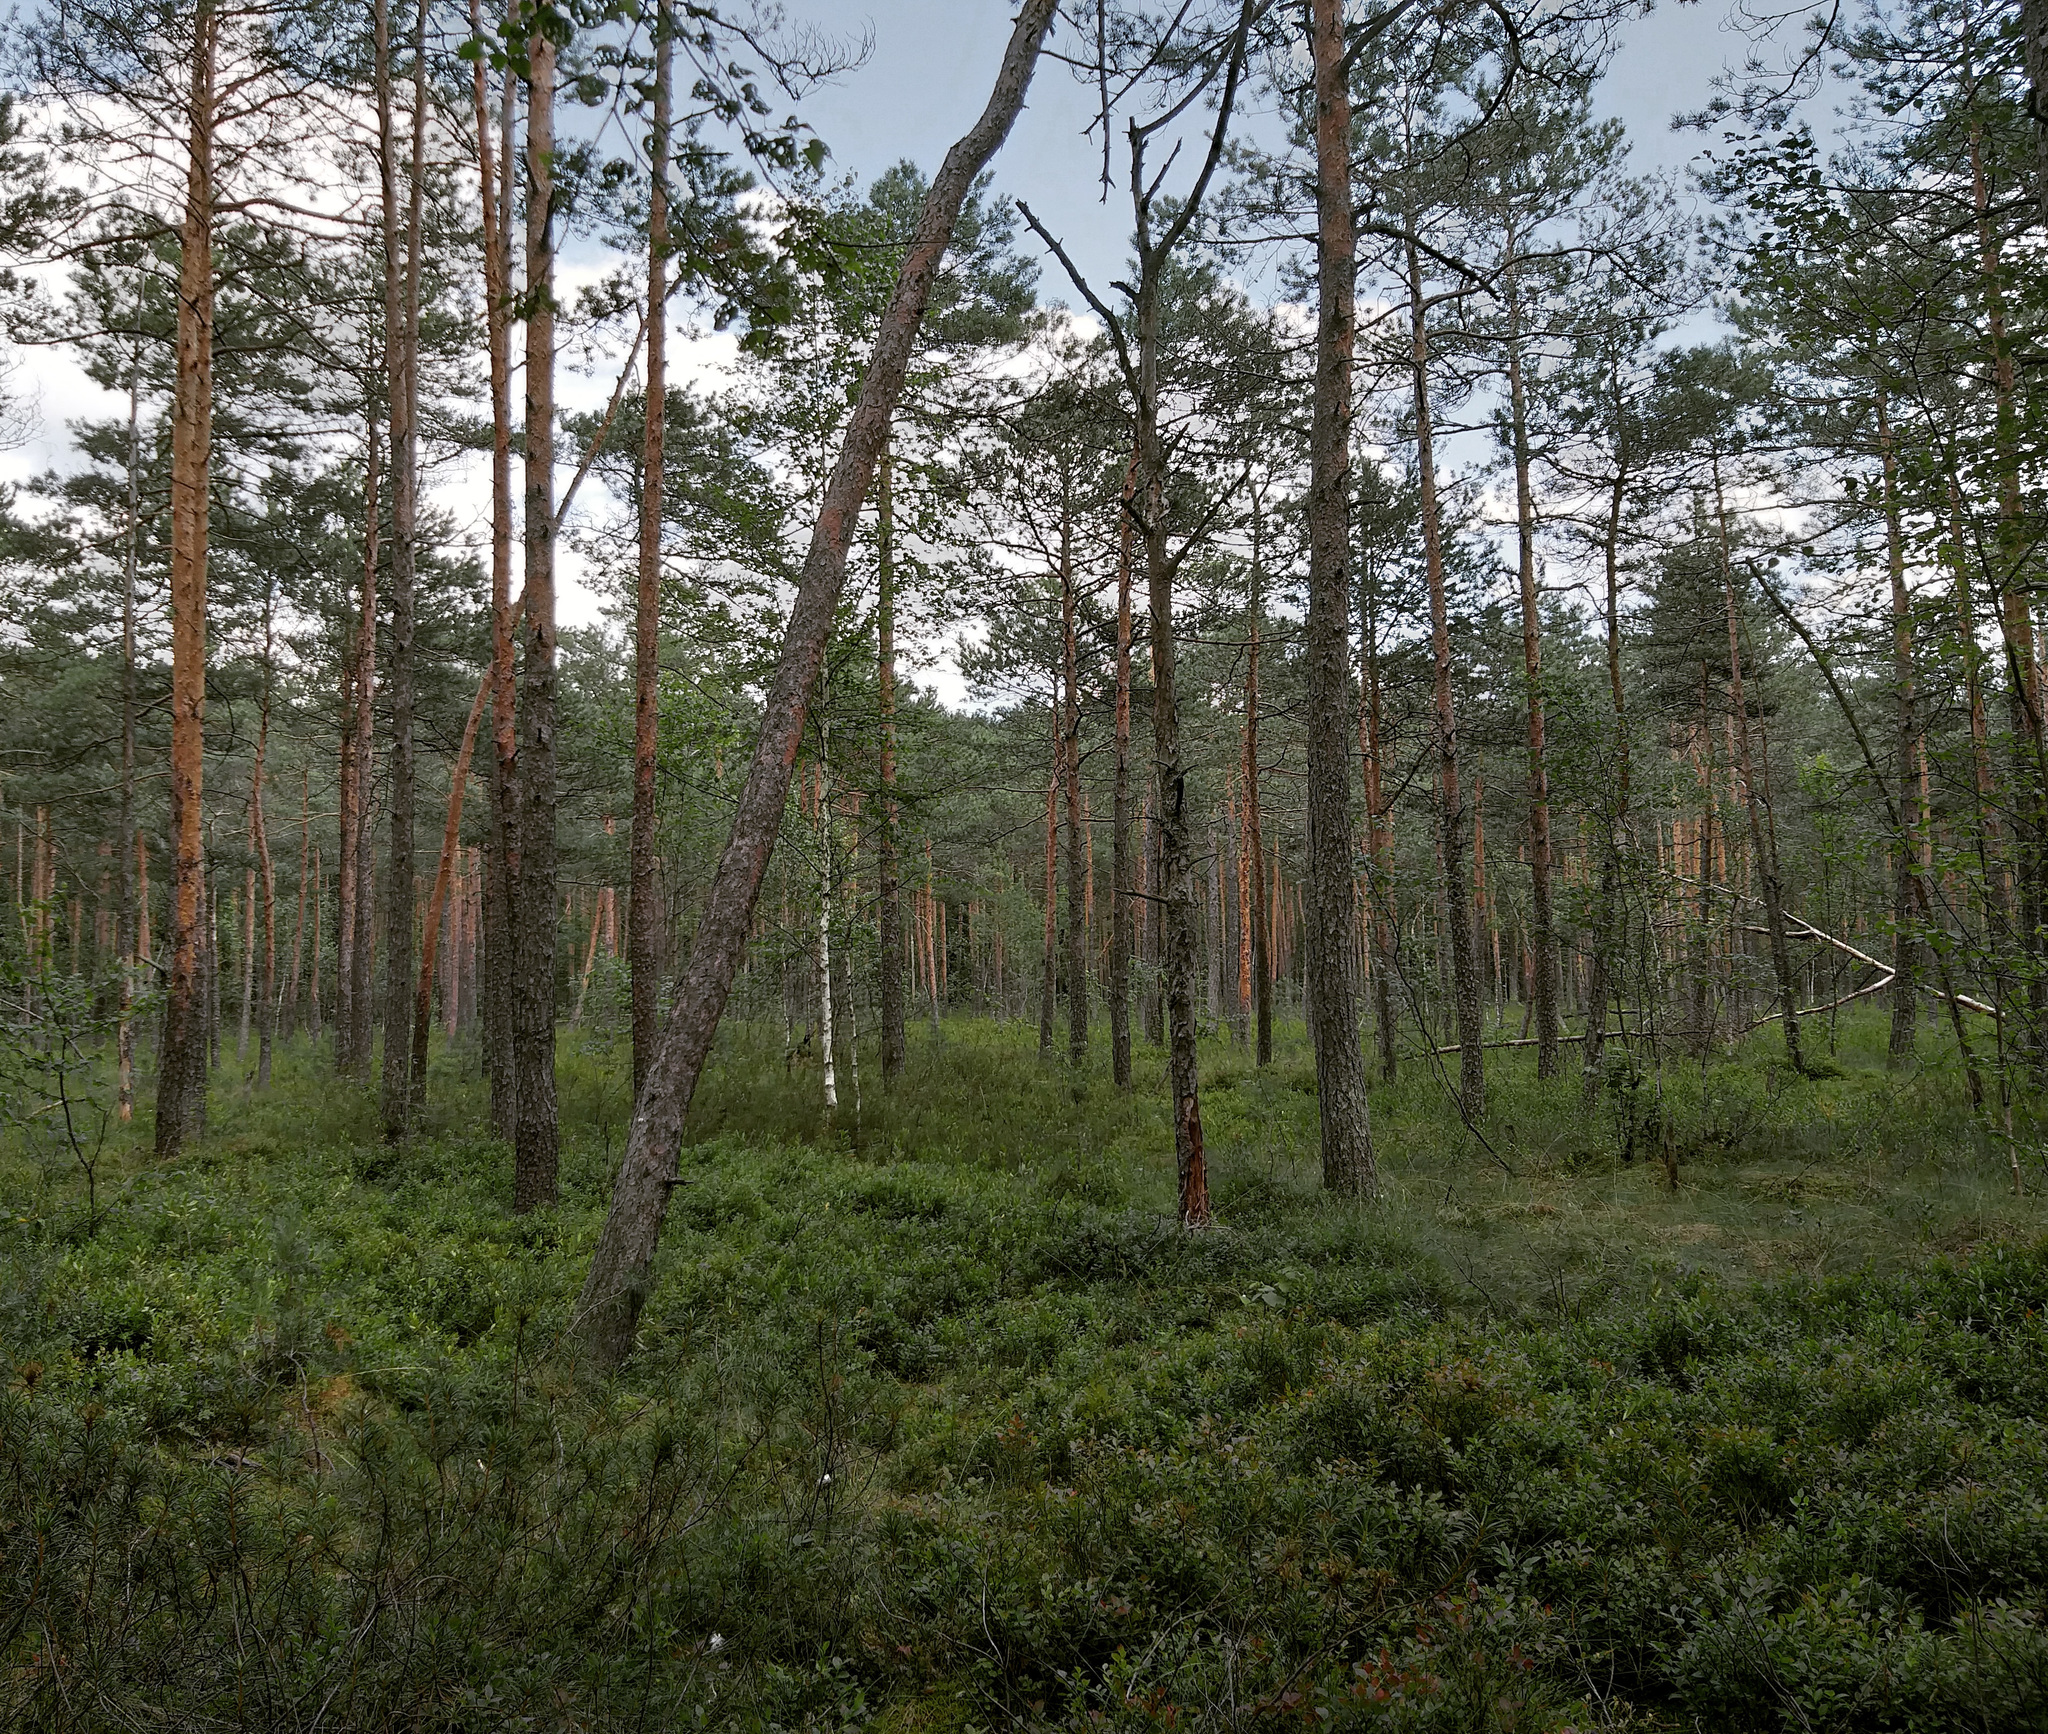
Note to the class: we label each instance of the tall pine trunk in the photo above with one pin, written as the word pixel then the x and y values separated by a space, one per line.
pixel 1457 898
pixel 1258 915
pixel 1756 798
pixel 430 931
pixel 1121 912
pixel 1049 967
pixel 501 854
pixel 1607 905
pixel 259 827
pixel 1176 880
pixel 889 872
pixel 1380 937
pixel 538 1135
pixel 291 1013
pixel 125 846
pixel 181 1076
pixel 353 1042
pixel 1348 1167
pixel 401 354
pixel 1070 777
pixel 1912 817
pixel 1542 934
pixel 2013 600
pixel 643 911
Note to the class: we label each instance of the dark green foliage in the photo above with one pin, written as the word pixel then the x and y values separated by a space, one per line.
pixel 942 1423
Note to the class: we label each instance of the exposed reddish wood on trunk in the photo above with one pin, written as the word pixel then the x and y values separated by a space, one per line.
pixel 181 1079
pixel 1347 1154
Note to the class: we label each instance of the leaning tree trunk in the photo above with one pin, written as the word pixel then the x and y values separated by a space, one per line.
pixel 1450 813
pixel 537 1142
pixel 1348 1166
pixel 622 1265
pixel 181 1077
pixel 643 910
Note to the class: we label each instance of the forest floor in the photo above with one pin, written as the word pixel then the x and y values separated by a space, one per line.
pixel 938 1421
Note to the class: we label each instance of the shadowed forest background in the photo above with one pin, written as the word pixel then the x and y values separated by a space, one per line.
pixel 1306 989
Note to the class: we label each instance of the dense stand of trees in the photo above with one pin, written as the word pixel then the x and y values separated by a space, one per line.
pixel 1469 645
